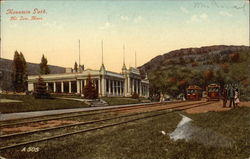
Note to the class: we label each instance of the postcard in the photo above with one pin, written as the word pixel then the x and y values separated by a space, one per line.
pixel 95 79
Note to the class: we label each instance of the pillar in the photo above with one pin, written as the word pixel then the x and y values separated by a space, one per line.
pixel 54 87
pixel 140 89
pixel 99 87
pixel 69 86
pixel 47 86
pixel 31 87
pixel 133 85
pixel 125 87
pixel 103 86
pixel 62 89
pixel 128 87
pixel 113 87
pixel 109 81
pixel 78 86
pixel 81 86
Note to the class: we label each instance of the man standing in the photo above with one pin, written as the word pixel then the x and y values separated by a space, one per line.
pixel 224 97
pixel 231 95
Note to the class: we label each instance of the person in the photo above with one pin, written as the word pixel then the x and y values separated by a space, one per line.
pixel 224 97
pixel 236 97
pixel 231 95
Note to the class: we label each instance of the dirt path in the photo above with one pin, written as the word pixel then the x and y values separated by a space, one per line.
pixel 215 107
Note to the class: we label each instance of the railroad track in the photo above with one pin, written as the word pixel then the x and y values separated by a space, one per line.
pixel 158 112
pixel 85 113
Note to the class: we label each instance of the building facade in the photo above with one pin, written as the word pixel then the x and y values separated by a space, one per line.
pixel 106 82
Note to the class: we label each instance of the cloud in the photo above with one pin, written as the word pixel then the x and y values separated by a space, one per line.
pixel 198 18
pixel 184 10
pixel 107 25
pixel 203 16
pixel 53 25
pixel 225 14
pixel 137 19
pixel 124 18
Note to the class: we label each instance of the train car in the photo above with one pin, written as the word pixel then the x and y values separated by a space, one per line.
pixel 213 92
pixel 194 92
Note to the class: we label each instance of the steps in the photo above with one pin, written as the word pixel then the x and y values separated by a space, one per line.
pixel 98 103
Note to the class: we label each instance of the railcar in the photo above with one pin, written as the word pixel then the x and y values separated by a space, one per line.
pixel 193 92
pixel 213 92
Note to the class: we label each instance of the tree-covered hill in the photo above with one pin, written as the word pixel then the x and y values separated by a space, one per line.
pixel 32 69
pixel 172 72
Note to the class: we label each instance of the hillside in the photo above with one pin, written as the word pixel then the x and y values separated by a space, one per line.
pixel 33 69
pixel 172 72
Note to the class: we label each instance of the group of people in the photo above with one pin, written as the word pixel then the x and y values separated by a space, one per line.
pixel 231 94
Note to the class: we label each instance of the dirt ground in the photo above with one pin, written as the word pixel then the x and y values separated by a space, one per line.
pixel 162 106
pixel 215 107
pixel 36 126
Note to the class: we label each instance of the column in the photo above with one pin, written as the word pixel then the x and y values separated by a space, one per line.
pixel 31 87
pixel 62 89
pixel 128 87
pixel 99 86
pixel 140 89
pixel 69 86
pixel 78 86
pixel 103 86
pixel 109 81
pixel 54 87
pixel 113 87
pixel 81 86
pixel 47 86
pixel 133 86
pixel 125 87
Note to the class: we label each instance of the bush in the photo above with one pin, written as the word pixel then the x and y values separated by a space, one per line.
pixel 90 91
pixel 41 89
pixel 135 95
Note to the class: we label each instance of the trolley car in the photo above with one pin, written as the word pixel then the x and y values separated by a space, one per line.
pixel 213 92
pixel 194 92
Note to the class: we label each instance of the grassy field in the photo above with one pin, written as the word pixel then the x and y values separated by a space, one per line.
pixel 29 103
pixel 217 135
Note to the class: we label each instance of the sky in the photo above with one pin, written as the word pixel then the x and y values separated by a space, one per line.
pixel 147 27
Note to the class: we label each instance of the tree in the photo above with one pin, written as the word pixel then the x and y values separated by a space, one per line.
pixel 44 68
pixel 89 90
pixel 76 67
pixel 235 57
pixel 19 76
pixel 24 71
pixel 41 89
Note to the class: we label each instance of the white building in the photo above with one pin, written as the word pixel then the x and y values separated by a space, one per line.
pixel 107 83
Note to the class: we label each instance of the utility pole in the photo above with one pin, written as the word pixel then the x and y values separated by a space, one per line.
pixel 102 52
pixel 135 60
pixel 79 55
pixel 123 55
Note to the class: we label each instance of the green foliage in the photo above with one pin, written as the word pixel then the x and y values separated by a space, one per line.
pixel 135 95
pixel 41 89
pixel 44 68
pixel 173 78
pixel 90 91
pixel 19 76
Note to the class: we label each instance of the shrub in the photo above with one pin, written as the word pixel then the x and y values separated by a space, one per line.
pixel 135 95
pixel 89 90
pixel 41 89
pixel 235 57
